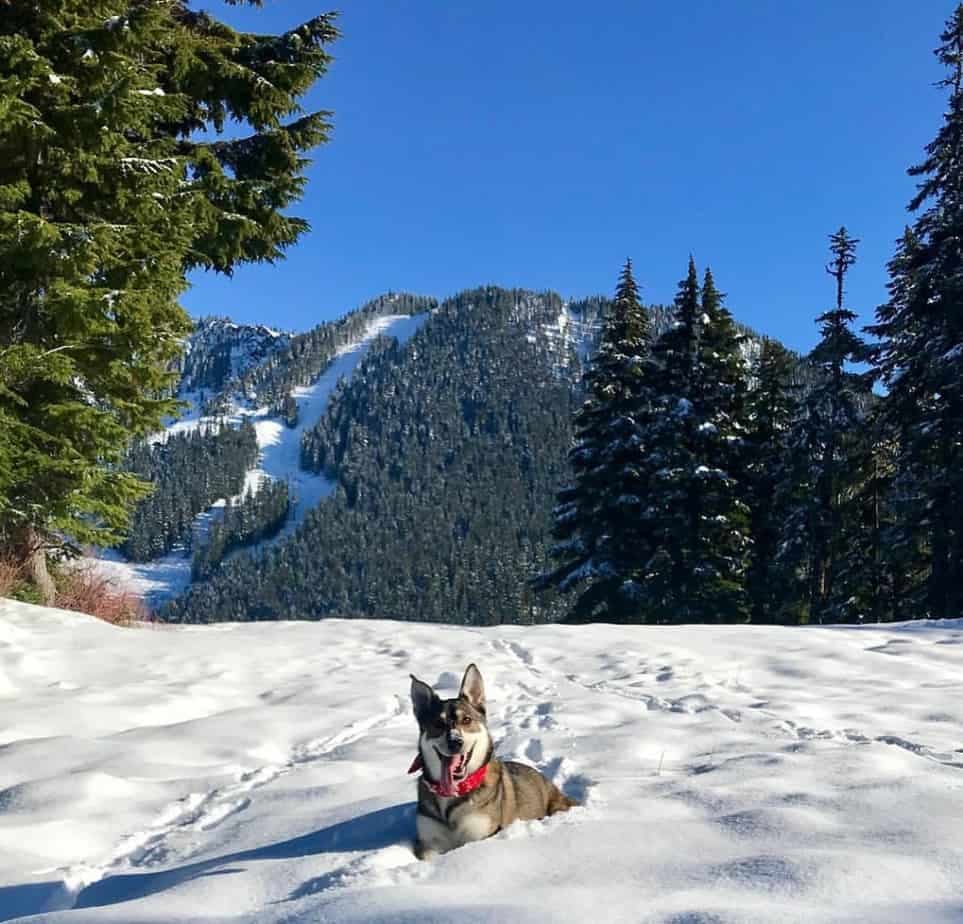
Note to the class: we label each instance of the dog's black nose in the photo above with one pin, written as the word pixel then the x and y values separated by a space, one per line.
pixel 455 743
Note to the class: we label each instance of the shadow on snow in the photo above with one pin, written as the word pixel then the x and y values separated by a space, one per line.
pixel 373 831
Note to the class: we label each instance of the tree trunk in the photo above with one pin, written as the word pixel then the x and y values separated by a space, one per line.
pixel 32 551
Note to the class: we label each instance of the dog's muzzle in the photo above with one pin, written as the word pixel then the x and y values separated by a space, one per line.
pixel 455 743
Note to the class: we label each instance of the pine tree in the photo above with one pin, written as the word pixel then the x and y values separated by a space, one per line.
pixel 920 358
pixel 113 185
pixel 773 404
pixel 696 521
pixel 835 408
pixel 597 517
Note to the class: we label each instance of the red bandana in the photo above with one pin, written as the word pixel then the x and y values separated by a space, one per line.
pixel 469 784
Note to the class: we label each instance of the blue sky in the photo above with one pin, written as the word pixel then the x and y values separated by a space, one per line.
pixel 539 142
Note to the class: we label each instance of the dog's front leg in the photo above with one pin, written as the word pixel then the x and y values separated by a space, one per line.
pixel 432 837
pixel 423 851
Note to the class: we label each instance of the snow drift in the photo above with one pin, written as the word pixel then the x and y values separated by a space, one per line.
pixel 256 773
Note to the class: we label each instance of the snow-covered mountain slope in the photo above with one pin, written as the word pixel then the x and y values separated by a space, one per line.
pixel 256 773
pixel 280 447
pixel 220 349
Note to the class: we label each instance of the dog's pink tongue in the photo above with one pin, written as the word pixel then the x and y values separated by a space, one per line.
pixel 449 766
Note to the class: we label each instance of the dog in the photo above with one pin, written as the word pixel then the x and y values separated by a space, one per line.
pixel 465 793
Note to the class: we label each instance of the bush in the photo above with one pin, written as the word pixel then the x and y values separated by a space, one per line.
pixel 84 590
pixel 11 576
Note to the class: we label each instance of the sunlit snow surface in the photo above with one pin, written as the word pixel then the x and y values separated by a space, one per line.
pixel 280 447
pixel 256 773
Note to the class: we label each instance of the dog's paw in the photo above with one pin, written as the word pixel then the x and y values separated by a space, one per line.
pixel 423 851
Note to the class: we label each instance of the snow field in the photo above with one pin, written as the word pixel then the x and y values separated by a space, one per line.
pixel 242 773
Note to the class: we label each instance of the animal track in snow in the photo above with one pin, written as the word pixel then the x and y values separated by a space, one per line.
pixel 205 811
pixel 537 712
pixel 921 750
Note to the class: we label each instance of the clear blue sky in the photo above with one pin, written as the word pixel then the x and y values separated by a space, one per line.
pixel 538 143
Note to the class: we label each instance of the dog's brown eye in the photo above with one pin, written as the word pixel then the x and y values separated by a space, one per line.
pixel 466 720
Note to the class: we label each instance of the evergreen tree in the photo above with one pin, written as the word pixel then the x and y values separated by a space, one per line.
pixel 773 404
pixel 920 358
pixel 114 184
pixel 597 517
pixel 697 521
pixel 822 526
pixel 874 563
pixel 835 410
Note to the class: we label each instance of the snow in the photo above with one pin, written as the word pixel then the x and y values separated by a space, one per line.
pixel 256 773
pixel 280 460
pixel 281 445
pixel 570 332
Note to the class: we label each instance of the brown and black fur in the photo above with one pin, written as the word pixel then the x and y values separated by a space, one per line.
pixel 509 792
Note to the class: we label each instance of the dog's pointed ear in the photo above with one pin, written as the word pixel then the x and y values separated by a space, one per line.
pixel 423 697
pixel 473 687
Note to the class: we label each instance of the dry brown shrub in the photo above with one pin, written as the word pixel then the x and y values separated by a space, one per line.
pixel 86 591
pixel 11 573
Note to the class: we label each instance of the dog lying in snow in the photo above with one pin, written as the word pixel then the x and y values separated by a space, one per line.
pixel 465 793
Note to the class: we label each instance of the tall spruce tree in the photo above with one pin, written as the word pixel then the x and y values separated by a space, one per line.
pixel 598 514
pixel 836 406
pixel 114 183
pixel 906 514
pixel 920 356
pixel 696 521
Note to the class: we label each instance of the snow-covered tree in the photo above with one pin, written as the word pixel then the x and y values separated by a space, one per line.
pixel 828 435
pixel 920 356
pixel 772 408
pixel 597 520
pixel 695 518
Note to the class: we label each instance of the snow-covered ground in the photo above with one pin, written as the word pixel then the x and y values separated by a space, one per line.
pixel 257 773
pixel 280 447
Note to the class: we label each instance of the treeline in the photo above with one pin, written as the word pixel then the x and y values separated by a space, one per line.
pixel 259 515
pixel 705 489
pixel 446 451
pixel 189 471
pixel 708 484
pixel 307 355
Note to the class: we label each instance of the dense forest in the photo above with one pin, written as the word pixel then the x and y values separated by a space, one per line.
pixel 307 355
pixel 459 438
pixel 189 472
pixel 519 459
pixel 714 483
pixel 446 451
pixel 229 368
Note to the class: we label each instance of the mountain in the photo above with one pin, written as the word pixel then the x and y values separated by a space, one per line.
pixel 444 452
pixel 252 404
pixel 219 350
pixel 402 460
